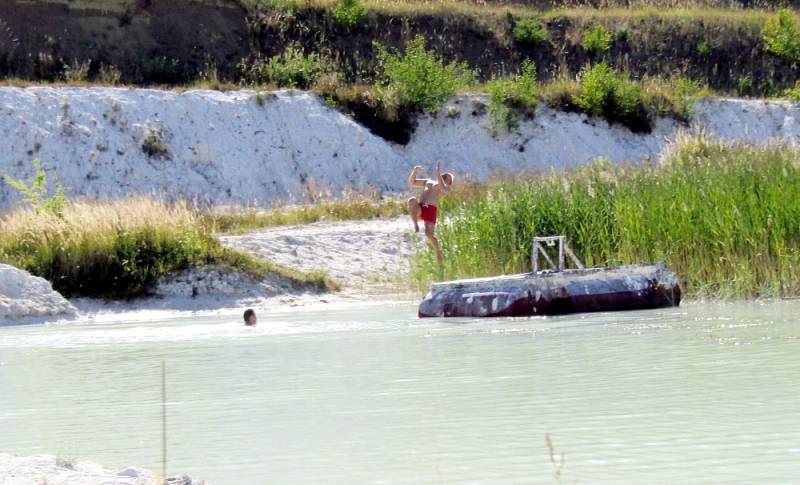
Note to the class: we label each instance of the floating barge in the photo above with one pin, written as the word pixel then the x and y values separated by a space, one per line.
pixel 550 292
pixel 555 291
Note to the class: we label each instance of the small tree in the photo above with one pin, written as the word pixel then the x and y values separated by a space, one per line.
pixel 347 13
pixel 35 191
pixel 597 39
pixel 420 79
pixel 782 35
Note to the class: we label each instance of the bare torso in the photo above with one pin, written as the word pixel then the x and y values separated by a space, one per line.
pixel 430 194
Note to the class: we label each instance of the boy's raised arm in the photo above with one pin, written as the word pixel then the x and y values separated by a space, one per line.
pixel 413 181
pixel 442 186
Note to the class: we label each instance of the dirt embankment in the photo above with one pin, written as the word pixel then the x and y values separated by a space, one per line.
pixel 177 41
pixel 149 41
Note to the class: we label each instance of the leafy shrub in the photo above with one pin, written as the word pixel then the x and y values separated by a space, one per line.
pixel 782 35
pixel 703 48
pixel 745 85
pixel 77 72
pixel 35 191
pixel 347 13
pixel 794 93
pixel 624 33
pixel 596 40
pixel 509 94
pixel 530 31
pixel 291 69
pixel 605 93
pixel 109 75
pixel 153 145
pixel 419 79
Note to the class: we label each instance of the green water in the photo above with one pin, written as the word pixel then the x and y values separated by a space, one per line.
pixel 700 394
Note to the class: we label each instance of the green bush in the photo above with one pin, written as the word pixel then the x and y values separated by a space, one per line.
pixel 292 69
pixel 530 31
pixel 506 95
pixel 782 35
pixel 704 48
pixel 794 93
pixel 419 78
pixel 745 86
pixel 347 13
pixel 77 72
pixel 596 39
pixel 35 191
pixel 624 33
pixel 609 95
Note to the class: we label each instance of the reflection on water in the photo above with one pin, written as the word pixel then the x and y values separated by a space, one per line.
pixel 699 394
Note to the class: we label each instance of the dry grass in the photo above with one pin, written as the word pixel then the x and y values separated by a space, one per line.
pixel 118 248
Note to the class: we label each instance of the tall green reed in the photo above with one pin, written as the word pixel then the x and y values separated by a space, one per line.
pixel 725 218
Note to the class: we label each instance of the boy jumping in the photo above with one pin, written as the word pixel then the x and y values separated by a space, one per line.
pixel 425 207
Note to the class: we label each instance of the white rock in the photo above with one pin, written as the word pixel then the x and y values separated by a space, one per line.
pixel 28 470
pixel 23 295
pixel 226 148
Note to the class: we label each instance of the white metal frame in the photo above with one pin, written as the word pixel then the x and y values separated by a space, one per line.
pixel 563 250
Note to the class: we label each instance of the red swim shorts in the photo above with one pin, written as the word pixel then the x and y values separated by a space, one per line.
pixel 427 213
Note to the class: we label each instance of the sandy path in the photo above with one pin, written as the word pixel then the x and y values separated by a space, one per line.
pixel 369 255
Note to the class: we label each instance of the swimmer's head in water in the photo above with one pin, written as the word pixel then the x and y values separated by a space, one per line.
pixel 249 317
pixel 448 178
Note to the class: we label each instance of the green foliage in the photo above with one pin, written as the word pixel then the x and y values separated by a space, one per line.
pixel 596 39
pixel 109 75
pixel 77 72
pixel 725 218
pixel 419 79
pixel 35 191
pixel 624 33
pixel 794 93
pixel 745 85
pixel 782 35
pixel 506 95
pixel 607 94
pixel 347 13
pixel 530 31
pixel 291 69
pixel 704 48
pixel 117 249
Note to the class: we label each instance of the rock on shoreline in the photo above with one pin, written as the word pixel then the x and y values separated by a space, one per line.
pixel 49 469
pixel 23 295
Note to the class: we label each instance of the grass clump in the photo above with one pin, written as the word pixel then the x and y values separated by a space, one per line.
pixel 347 13
pixel 291 69
pixel 419 79
pixel 77 73
pixel 724 217
pixel 530 31
pixel 509 95
pixel 596 40
pixel 117 249
pixel 782 35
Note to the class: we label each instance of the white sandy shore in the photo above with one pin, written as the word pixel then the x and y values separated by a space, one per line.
pixel 369 259
pixel 366 257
